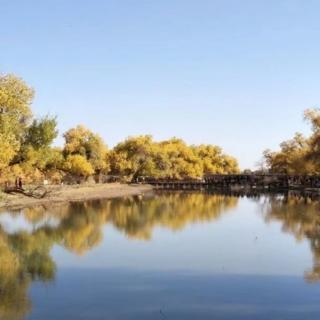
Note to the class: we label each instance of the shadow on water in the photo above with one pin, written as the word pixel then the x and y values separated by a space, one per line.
pixel 78 227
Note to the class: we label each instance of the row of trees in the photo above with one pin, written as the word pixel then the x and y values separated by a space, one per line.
pixel 26 148
pixel 299 155
pixel 173 158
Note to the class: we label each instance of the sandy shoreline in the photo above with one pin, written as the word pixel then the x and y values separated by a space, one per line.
pixel 75 193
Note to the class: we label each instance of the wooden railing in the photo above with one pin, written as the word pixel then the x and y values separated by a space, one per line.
pixel 267 181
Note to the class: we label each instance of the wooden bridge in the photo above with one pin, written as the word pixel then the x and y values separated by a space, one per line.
pixel 240 181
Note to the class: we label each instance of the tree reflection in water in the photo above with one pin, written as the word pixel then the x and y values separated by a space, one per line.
pixel 78 227
pixel 300 216
pixel 25 256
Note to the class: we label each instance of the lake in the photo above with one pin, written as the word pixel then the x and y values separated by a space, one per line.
pixel 163 255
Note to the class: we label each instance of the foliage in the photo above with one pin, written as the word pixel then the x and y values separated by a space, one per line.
pixel 299 155
pixel 133 157
pixel 214 161
pixel 81 141
pixel 41 133
pixel 15 100
pixel 173 158
pixel 8 149
pixel 26 148
pixel 180 160
pixel 44 158
pixel 78 165
pixel 15 111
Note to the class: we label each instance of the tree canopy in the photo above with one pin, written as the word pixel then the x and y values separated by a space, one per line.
pixel 173 158
pixel 81 141
pixel 299 155
pixel 26 148
pixel 15 112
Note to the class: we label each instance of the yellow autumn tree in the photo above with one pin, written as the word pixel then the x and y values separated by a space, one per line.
pixel 133 157
pixel 214 161
pixel 9 147
pixel 181 160
pixel 299 155
pixel 78 165
pixel 15 112
pixel 81 141
pixel 26 147
pixel 173 158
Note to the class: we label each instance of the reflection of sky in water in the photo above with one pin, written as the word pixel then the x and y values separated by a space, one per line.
pixel 172 256
pixel 110 294
pixel 239 242
pixel 15 223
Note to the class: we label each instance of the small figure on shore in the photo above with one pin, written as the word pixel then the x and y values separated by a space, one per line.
pixel 20 182
pixel 17 182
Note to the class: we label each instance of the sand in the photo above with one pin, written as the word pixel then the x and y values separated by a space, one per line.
pixel 74 193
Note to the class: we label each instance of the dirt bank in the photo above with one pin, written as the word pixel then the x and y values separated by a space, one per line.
pixel 74 193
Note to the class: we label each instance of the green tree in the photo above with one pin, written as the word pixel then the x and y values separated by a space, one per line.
pixel 36 151
pixel 41 133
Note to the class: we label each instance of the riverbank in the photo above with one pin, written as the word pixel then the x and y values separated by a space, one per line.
pixel 74 193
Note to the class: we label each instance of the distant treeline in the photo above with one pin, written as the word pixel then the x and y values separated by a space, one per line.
pixel 300 155
pixel 26 148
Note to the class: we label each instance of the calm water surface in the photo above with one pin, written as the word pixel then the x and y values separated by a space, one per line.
pixel 163 256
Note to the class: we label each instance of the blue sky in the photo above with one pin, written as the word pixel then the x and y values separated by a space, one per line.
pixel 233 73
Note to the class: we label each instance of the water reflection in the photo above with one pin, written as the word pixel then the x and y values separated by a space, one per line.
pixel 300 216
pixel 25 256
pixel 78 227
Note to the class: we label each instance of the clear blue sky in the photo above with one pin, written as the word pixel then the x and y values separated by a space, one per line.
pixel 234 73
